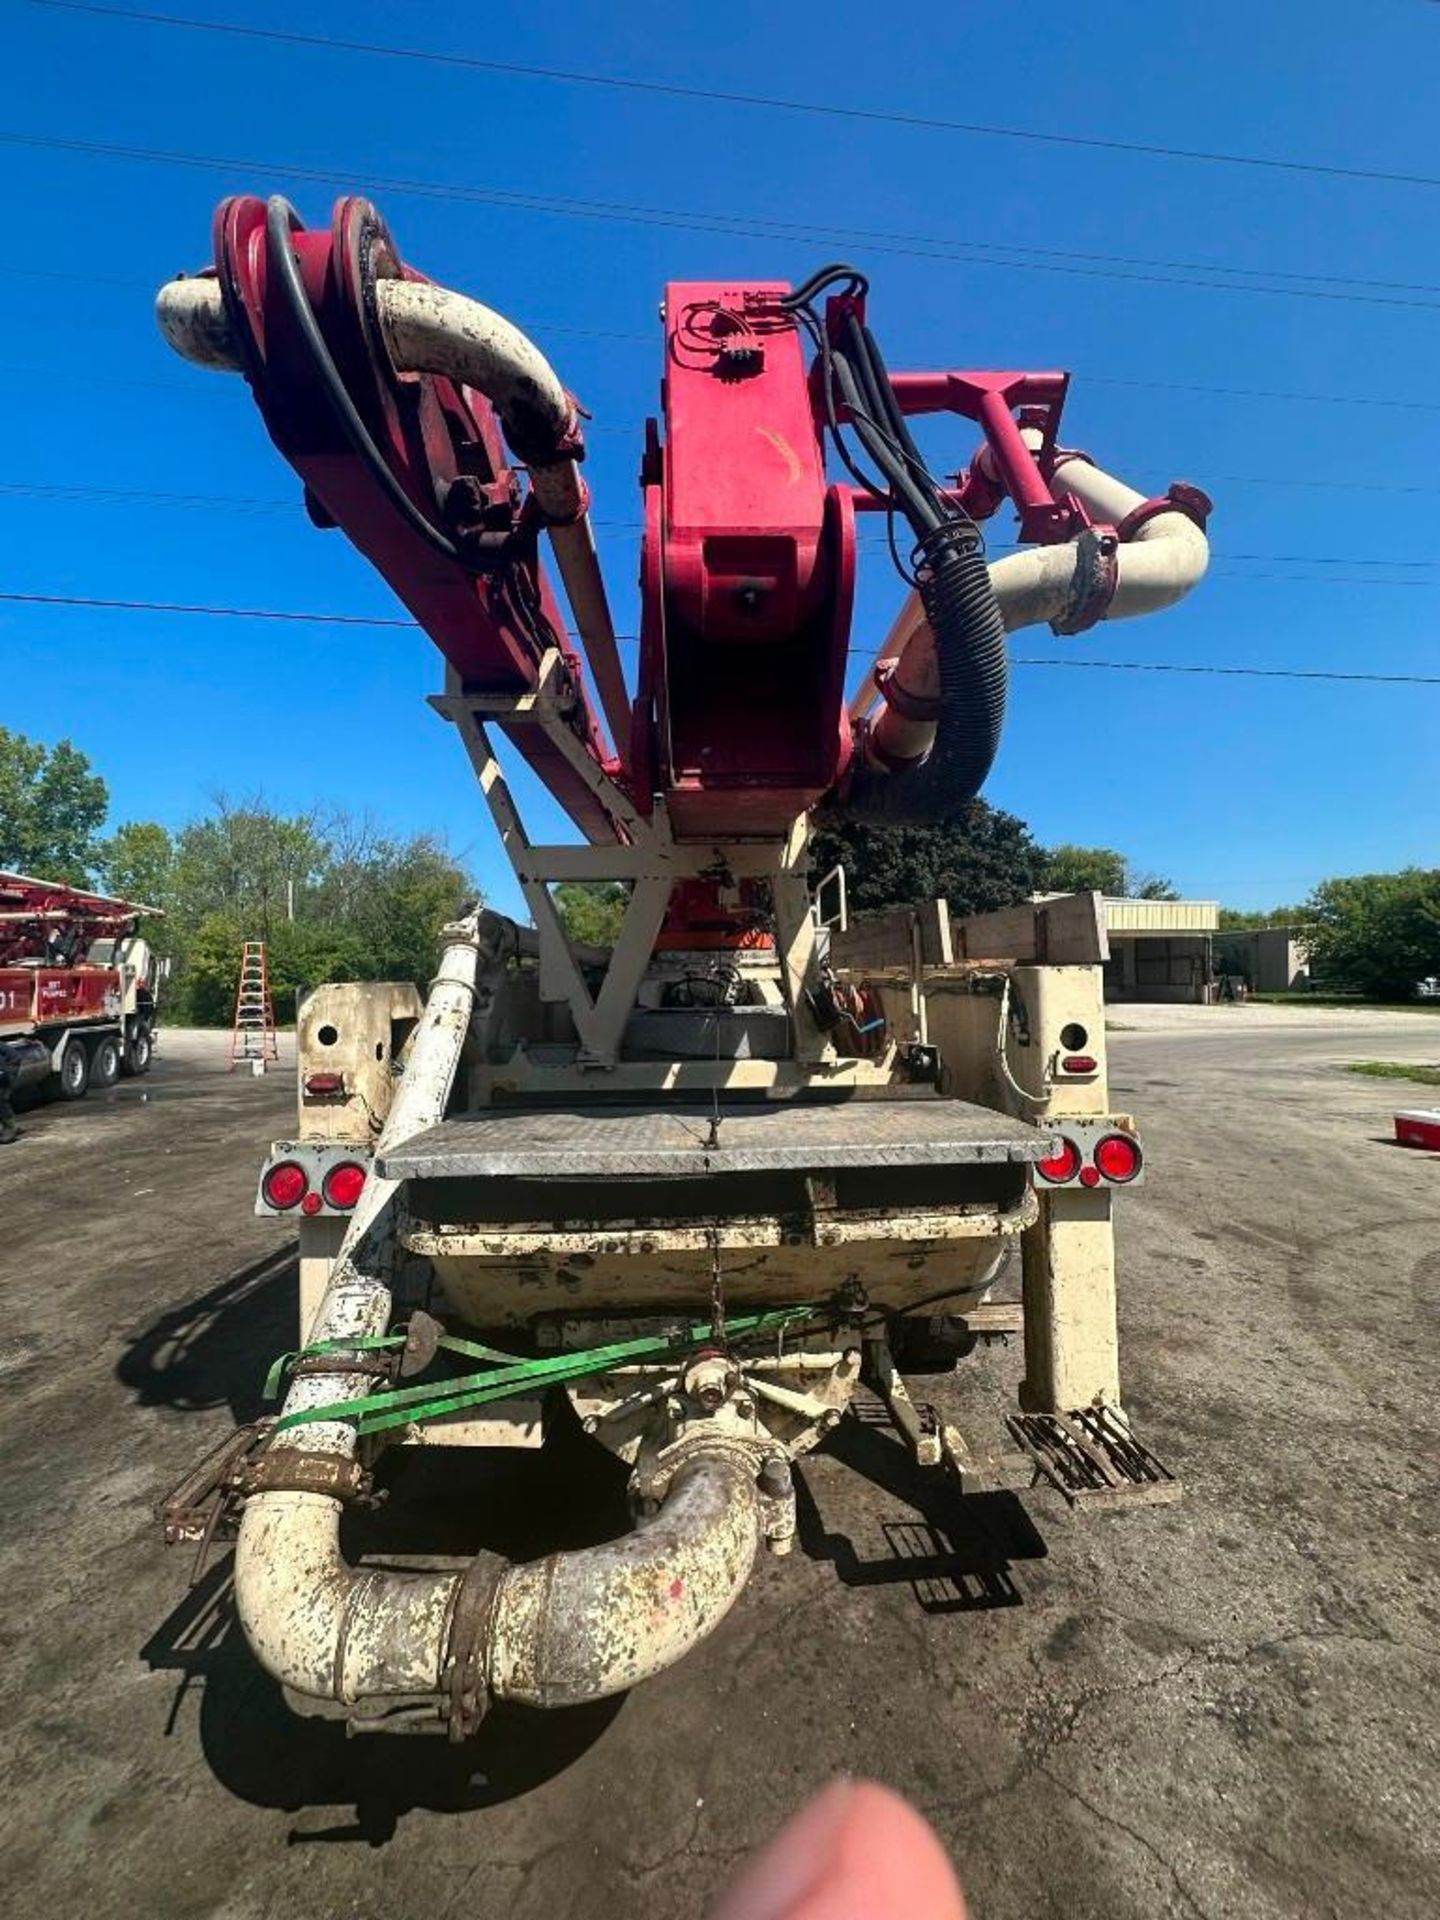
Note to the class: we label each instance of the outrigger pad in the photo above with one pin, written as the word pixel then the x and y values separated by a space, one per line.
pixel 1094 1459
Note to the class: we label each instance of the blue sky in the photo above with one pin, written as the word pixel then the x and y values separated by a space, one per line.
pixel 1249 790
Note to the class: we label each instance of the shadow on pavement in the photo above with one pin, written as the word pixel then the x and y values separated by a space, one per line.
pixel 954 1550
pixel 214 1351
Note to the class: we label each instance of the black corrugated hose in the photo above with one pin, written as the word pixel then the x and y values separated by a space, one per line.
pixel 959 601
pixel 969 631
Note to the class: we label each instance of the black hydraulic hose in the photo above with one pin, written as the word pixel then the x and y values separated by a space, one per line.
pixel 279 219
pixel 960 606
pixel 899 425
pixel 837 270
pixel 969 630
pixel 918 510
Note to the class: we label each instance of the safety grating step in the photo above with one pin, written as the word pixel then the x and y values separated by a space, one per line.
pixel 1093 1457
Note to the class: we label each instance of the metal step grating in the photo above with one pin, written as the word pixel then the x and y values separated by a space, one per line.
pixel 1093 1457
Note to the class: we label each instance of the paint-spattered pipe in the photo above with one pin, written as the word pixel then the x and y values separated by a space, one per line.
pixel 581 1626
pixel 576 1626
pixel 1158 567
pixel 429 329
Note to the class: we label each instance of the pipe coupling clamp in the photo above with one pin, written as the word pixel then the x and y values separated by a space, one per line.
pixel 1181 497
pixel 910 706
pixel 1092 585
pixel 465 1684
pixel 293 1470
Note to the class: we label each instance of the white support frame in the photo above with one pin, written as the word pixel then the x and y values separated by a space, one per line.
pixel 645 853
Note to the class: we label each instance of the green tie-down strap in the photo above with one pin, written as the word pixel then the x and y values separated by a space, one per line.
pixel 505 1376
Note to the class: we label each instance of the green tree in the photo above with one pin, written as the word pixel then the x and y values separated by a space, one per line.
pixel 395 895
pixel 1248 920
pixel 137 863
pixel 247 861
pixel 591 910
pixel 982 860
pixel 204 992
pixel 332 897
pixel 1071 869
pixel 52 806
pixel 1378 933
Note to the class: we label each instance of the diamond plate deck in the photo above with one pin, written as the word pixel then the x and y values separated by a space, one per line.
pixel 617 1143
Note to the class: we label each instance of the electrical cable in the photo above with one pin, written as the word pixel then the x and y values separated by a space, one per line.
pixel 101 495
pixel 831 110
pixel 747 226
pixel 411 626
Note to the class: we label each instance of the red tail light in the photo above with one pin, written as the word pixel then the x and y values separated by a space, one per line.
pixel 285 1185
pixel 1079 1063
pixel 324 1086
pixel 1118 1157
pixel 1063 1164
pixel 344 1184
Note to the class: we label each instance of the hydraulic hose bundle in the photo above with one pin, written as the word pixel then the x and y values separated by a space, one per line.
pixel 951 575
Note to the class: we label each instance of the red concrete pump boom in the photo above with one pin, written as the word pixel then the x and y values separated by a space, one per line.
pixel 438 437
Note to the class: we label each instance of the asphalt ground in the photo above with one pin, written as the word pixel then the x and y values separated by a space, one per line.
pixel 1227 1707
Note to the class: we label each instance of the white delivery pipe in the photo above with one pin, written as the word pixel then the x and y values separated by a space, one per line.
pixel 429 329
pixel 576 1626
pixel 1167 556
pixel 583 1626
pixel 312 1621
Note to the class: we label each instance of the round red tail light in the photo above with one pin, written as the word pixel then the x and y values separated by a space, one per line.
pixel 1118 1157
pixel 285 1185
pixel 344 1184
pixel 1063 1164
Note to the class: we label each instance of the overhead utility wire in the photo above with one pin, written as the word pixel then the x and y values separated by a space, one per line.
pixel 1390 401
pixel 574 76
pixel 104 496
pixel 749 226
pixel 412 626
pixel 847 235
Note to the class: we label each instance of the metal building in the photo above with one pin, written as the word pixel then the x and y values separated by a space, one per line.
pixel 1161 949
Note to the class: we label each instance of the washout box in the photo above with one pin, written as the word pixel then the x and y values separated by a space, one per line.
pixel 1419 1127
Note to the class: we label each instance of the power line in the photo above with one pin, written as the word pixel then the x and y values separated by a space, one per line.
pixel 748 226
pixel 1268 393
pixel 206 612
pixel 1248 673
pixel 412 626
pixel 573 76
pixel 241 503
pixel 1394 402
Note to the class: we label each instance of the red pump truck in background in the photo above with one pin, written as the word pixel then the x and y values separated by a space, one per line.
pixel 78 987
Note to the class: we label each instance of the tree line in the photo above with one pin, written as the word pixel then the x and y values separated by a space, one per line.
pixel 336 898
pixel 333 896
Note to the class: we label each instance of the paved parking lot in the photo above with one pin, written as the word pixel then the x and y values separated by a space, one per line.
pixel 1230 1707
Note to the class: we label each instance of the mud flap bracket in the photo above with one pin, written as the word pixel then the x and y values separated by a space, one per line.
pixel 205 1505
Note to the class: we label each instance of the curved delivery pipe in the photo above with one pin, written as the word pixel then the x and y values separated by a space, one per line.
pixel 576 1626
pixel 1067 586
pixel 429 329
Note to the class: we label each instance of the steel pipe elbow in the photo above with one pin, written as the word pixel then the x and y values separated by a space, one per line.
pixel 581 1626
pixel 191 315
